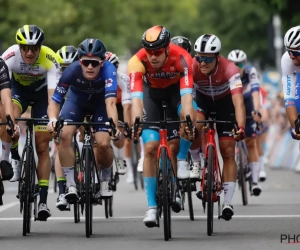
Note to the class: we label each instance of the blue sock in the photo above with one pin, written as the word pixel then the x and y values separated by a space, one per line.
pixel 150 187
pixel 183 149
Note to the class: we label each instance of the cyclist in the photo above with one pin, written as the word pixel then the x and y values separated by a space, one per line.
pixel 124 109
pixel 290 64
pixel 252 105
pixel 34 74
pixel 6 108
pixel 65 56
pixel 91 87
pixel 219 89
pixel 183 42
pixel 159 72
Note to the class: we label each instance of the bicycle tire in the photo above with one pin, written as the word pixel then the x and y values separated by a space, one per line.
pixel 190 199
pixel 210 192
pixel 166 205
pixel 77 171
pixel 26 192
pixel 76 213
pixel 242 172
pixel 106 208
pixel 87 180
pixel 110 204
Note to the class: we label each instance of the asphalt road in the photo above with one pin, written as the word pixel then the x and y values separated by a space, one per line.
pixel 260 225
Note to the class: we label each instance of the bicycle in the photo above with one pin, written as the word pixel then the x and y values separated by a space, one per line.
pixel 28 189
pixel 211 182
pixel 89 190
pixel 165 176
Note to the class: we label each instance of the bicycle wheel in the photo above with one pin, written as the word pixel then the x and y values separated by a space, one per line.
pixel 110 206
pixel 78 180
pixel 166 207
pixel 190 199
pixel 242 173
pixel 106 208
pixel 210 191
pixel 87 180
pixel 26 193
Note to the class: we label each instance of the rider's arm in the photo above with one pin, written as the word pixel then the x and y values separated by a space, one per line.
pixel 289 88
pixel 111 87
pixel 124 83
pixel 58 94
pixel 186 84
pixel 136 70
pixel 254 84
pixel 236 88
pixel 5 89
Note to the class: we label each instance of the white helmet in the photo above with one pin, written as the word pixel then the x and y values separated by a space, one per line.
pixel 292 38
pixel 112 58
pixel 207 43
pixel 237 55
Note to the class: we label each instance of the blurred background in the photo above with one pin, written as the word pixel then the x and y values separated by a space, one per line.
pixel 255 26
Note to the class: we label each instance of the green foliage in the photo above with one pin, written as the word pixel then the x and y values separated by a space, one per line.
pixel 120 24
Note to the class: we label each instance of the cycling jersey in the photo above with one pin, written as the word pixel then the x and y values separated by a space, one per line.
pixel 214 93
pixel 4 75
pixel 105 85
pixel 176 69
pixel 43 72
pixel 290 86
pixel 225 79
pixel 123 94
pixel 250 81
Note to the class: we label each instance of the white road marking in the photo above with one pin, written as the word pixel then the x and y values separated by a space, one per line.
pixel 174 217
pixel 9 205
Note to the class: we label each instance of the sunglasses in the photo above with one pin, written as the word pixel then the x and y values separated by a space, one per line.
pixel 294 52
pixel 157 52
pixel 240 65
pixel 33 48
pixel 87 62
pixel 205 59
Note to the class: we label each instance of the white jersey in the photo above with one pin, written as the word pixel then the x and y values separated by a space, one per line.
pixel 43 72
pixel 291 95
pixel 123 95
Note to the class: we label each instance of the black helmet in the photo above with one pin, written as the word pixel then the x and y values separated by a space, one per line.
pixel 92 47
pixel 183 42
pixel 156 37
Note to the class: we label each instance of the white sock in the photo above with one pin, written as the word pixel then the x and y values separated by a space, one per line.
pixel 129 165
pixel 229 188
pixel 142 147
pixel 5 151
pixel 69 174
pixel 254 166
pixel 195 154
pixel 106 174
pixel 261 164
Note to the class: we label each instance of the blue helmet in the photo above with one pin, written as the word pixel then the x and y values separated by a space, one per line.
pixel 92 47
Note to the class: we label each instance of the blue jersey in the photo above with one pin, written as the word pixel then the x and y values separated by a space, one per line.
pixel 250 81
pixel 104 86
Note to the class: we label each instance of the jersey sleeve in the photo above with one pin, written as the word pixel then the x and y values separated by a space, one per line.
pixel 124 83
pixel 186 73
pixel 289 88
pixel 253 79
pixel 136 71
pixel 234 79
pixel 63 85
pixel 4 75
pixel 110 78
pixel 9 57
pixel 53 76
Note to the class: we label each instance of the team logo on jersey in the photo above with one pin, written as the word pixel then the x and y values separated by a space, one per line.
pixel 9 55
pixel 108 82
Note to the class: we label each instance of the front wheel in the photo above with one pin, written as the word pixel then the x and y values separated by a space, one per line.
pixel 210 191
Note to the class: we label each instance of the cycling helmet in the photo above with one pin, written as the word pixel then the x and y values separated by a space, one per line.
pixel 207 43
pixel 156 37
pixel 92 47
pixel 292 38
pixel 112 58
pixel 183 42
pixel 67 55
pixel 30 35
pixel 237 56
